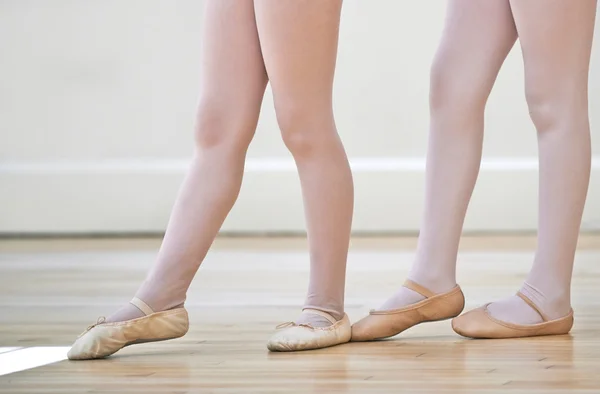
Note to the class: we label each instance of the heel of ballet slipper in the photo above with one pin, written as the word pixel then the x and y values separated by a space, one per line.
pixel 448 306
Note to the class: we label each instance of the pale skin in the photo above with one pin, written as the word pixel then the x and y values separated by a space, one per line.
pixel 555 38
pixel 291 44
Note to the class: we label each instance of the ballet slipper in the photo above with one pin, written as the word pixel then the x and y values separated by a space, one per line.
pixel 291 337
pixel 385 324
pixel 480 324
pixel 103 339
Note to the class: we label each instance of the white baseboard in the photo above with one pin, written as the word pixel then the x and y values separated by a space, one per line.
pixel 126 196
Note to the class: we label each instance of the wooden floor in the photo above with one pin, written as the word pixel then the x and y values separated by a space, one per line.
pixel 51 290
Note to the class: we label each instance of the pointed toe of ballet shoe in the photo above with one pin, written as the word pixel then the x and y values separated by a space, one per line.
pixel 388 323
pixel 479 324
pixel 104 339
pixel 362 330
pixel 97 342
pixel 291 337
pixel 376 326
pixel 474 324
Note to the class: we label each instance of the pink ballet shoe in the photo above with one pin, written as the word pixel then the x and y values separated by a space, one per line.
pixel 385 324
pixel 103 339
pixel 291 337
pixel 479 323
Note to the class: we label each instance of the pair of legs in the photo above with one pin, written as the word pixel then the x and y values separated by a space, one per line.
pixel 555 37
pixel 246 43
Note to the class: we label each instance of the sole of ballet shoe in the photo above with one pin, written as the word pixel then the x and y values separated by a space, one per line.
pixel 385 324
pixel 291 337
pixel 480 324
pixel 104 339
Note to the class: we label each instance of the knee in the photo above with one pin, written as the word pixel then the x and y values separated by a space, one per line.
pixel 551 105
pixel 223 126
pixel 304 128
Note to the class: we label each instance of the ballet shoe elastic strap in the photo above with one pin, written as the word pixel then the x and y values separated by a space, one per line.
pixel 532 305
pixel 326 315
pixel 409 284
pixel 141 305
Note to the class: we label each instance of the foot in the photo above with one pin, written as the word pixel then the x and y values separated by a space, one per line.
pixel 313 330
pixel 105 338
pixel 515 310
pixel 389 322
pixel 511 318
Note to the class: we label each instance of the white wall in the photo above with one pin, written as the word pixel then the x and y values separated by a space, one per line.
pixel 97 102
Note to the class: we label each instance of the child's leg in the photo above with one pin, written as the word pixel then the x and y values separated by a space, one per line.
pixel 232 87
pixel 477 37
pixel 299 44
pixel 556 38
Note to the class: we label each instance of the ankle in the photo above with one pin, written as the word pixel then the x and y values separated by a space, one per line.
pixel 554 304
pixel 335 313
pixel 160 299
pixel 434 283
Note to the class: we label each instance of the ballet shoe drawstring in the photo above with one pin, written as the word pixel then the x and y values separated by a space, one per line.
pixel 293 324
pixel 100 320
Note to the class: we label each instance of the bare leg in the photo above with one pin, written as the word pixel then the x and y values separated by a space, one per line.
pixel 556 38
pixel 233 84
pixel 299 44
pixel 477 37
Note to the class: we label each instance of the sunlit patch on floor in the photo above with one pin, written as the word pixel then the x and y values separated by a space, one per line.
pixel 20 359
